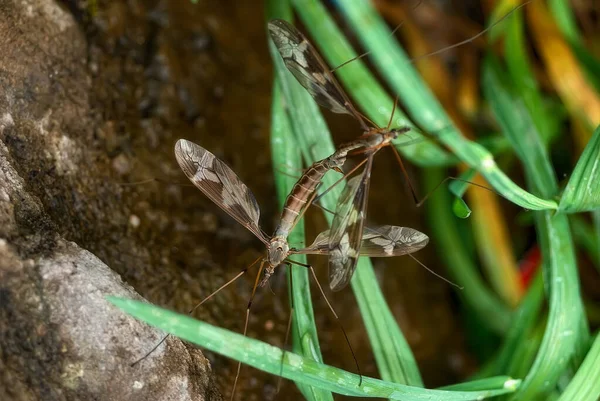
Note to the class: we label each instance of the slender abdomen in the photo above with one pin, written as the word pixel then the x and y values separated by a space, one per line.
pixel 300 195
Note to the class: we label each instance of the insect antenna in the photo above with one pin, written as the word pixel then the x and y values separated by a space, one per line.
pixel 367 53
pixel 312 271
pixel 239 366
pixel 472 38
pixel 191 311
pixel 389 124
pixel 460 287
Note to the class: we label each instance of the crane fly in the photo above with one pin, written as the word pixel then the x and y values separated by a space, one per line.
pixel 307 66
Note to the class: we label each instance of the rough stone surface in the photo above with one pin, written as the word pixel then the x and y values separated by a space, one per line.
pixel 59 338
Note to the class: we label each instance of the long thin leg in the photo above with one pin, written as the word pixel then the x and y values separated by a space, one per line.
pixel 405 173
pixel 241 273
pixel 155 179
pixel 289 324
pixel 312 271
pixel 389 124
pixel 455 179
pixel 239 367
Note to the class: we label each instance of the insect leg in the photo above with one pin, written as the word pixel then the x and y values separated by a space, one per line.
pixel 191 311
pixel 312 271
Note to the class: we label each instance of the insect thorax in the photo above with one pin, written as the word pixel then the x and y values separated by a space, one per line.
pixel 278 250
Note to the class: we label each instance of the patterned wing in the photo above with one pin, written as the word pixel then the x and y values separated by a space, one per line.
pixel 387 241
pixel 377 242
pixel 305 63
pixel 217 181
pixel 347 229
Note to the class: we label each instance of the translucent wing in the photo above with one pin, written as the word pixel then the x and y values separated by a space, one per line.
pixel 378 242
pixel 305 63
pixel 347 229
pixel 220 184
pixel 387 241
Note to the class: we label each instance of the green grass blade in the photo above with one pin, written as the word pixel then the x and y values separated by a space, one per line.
pixel 482 384
pixel 392 353
pixel 562 13
pixel 447 240
pixel 267 358
pixel 522 362
pixel 525 318
pixel 585 385
pixel 523 77
pixel 285 152
pixel 416 97
pixel 583 189
pixel 566 335
pixel 517 125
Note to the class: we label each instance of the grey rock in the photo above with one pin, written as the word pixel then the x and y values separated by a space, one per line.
pixel 59 337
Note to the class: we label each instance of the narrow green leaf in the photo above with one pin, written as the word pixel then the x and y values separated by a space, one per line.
pixel 566 20
pixel 523 78
pixel 518 126
pixel 582 193
pixel 482 384
pixel 525 319
pixel 267 358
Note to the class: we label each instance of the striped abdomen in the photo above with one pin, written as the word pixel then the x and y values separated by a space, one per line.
pixel 305 187
pixel 301 194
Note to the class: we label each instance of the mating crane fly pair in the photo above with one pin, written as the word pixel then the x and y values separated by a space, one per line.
pixel 347 238
pixel 345 241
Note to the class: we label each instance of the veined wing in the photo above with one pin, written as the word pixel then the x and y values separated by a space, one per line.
pixel 391 241
pixel 305 63
pixel 347 228
pixel 217 181
pixel 377 242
